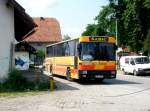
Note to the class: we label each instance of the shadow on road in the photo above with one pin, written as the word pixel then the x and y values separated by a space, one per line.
pixel 107 82
pixel 64 86
pixel 89 82
pixel 117 81
pixel 97 82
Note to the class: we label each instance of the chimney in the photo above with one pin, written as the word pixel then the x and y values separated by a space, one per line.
pixel 42 18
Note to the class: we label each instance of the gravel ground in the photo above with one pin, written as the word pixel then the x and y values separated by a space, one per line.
pixel 116 95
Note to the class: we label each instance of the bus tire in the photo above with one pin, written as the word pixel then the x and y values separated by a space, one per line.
pixel 51 69
pixel 68 74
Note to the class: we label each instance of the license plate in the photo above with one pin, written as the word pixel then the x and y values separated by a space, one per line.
pixel 99 76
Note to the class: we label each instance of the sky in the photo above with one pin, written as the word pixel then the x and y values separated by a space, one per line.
pixel 73 15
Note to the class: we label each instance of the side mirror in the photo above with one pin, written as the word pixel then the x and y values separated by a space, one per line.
pixel 116 47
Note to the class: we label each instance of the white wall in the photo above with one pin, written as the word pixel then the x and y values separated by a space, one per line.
pixel 6 37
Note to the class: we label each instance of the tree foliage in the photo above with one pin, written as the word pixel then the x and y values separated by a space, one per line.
pixel 136 23
pixel 119 6
pixel 133 21
pixel 40 53
pixel 106 20
pixel 102 26
pixel 90 30
pixel 147 42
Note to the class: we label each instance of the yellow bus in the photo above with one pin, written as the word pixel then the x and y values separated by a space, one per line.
pixel 87 57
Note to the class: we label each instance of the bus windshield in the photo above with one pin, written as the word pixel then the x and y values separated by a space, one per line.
pixel 96 51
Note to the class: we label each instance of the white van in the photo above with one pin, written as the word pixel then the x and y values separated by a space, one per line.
pixel 135 65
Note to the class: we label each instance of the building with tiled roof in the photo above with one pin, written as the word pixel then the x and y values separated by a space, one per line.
pixel 48 32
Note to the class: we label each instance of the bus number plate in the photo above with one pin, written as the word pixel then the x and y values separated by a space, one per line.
pixel 99 76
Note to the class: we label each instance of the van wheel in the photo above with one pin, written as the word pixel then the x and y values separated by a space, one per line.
pixel 135 73
pixel 125 73
pixel 51 69
pixel 68 75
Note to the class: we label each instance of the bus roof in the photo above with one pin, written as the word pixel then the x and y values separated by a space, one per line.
pixel 62 42
pixel 84 39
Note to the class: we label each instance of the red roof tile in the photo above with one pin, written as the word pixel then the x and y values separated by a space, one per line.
pixel 48 31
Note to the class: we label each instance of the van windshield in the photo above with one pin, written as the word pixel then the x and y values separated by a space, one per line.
pixel 142 60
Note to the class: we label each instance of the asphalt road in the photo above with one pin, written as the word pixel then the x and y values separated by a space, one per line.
pixel 125 93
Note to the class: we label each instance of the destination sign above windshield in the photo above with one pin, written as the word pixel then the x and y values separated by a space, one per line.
pixel 98 39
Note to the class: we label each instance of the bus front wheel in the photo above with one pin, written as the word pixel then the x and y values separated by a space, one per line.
pixel 51 69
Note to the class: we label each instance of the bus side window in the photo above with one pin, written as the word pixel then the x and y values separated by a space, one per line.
pixel 67 51
pixel 59 50
pixel 63 49
pixel 76 47
pixel 49 51
pixel 72 47
pixel 54 51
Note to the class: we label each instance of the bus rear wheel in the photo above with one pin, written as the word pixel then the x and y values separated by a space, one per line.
pixel 51 69
pixel 68 74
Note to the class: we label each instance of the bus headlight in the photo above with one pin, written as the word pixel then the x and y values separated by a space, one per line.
pixel 140 69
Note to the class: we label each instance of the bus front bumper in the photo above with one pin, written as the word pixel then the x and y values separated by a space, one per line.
pixel 98 74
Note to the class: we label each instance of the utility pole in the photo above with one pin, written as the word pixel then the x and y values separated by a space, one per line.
pixel 116 31
pixel 116 24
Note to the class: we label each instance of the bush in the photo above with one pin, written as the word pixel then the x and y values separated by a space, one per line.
pixel 16 82
pixel 43 86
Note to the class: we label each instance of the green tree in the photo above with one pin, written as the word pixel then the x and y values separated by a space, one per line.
pixel 147 42
pixel 104 24
pixel 147 3
pixel 90 30
pixel 40 55
pixel 136 23
pixel 106 21
pixel 133 21
pixel 119 6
